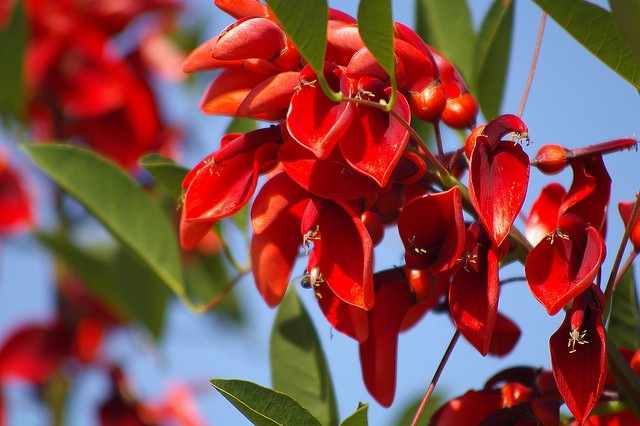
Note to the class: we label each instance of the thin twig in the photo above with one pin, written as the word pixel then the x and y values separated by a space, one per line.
pixel 534 62
pixel 436 376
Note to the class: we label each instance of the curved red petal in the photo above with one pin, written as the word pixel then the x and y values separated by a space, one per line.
pixel 344 317
pixel 498 180
pixel 250 37
pixel 544 213
pixel 505 336
pixel 242 8
pixel 271 95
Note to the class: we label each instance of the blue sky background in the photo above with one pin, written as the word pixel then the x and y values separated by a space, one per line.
pixel 575 101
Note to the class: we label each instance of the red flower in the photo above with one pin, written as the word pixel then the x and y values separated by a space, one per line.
pixel 543 217
pixel 578 354
pixel 16 212
pixel 565 263
pixel 626 208
pixel 498 176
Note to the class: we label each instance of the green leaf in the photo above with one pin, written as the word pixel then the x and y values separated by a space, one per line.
pixel 626 15
pixel 298 365
pixel 263 406
pixel 493 46
pixel 624 322
pixel 118 203
pixel 359 418
pixel 595 29
pixel 117 278
pixel 626 379
pixel 13 43
pixel 446 25
pixel 166 172
pixel 308 35
pixel 241 125
pixel 375 24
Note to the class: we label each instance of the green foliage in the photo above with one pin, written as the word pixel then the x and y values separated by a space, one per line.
pixel 492 56
pixel 626 15
pixel 596 30
pixel 166 173
pixel 308 35
pixel 375 23
pixel 118 203
pixel 359 418
pixel 298 365
pixel 13 43
pixel 626 379
pixel 263 406
pixel 624 322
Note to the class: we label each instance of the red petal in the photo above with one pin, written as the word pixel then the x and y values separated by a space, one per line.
pixel 345 318
pixel 242 8
pixel 378 355
pixel 273 94
pixel 345 256
pixel 626 208
pixel 580 375
pixel 468 409
pixel 315 121
pixel 275 217
pixel 343 41
pixel 432 230
pixel 505 336
pixel 192 233
pixel 591 203
pixel 375 142
pixel 474 292
pixel 498 181
pixel 250 38
pixel 565 263
pixel 543 217
pixel 330 178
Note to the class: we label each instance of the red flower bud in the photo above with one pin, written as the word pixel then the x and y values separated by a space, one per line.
pixel 552 159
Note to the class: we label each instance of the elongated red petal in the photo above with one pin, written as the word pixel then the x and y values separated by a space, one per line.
pixel 498 180
pixel 544 214
pixel 378 355
pixel 345 256
pixel 580 367
pixel 565 263
pixel 344 317
pixel 275 217
pixel 242 8
pixel 315 121
pixel 374 142
pixel 271 95
pixel 474 292
pixel 626 208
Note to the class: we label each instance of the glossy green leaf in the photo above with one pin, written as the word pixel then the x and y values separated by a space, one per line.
pixel 626 379
pixel 298 365
pixel 241 125
pixel 446 25
pixel 264 406
pixel 493 46
pixel 13 43
pixel 626 15
pixel 308 35
pixel 595 29
pixel 166 172
pixel 375 24
pixel 624 321
pixel 359 418
pixel 118 203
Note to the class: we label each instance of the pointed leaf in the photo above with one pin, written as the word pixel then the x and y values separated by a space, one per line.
pixel 626 15
pixel 375 24
pixel 263 406
pixel 118 203
pixel 492 56
pixel 298 364
pixel 596 30
pixel 624 323
pixel 166 172
pixel 359 418
pixel 308 35
pixel 447 26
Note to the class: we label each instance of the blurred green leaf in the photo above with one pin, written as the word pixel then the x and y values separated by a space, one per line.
pixel 118 203
pixel 115 277
pixel 446 25
pixel 626 15
pixel 493 47
pixel 375 23
pixel 626 379
pixel 308 35
pixel 263 406
pixel 298 365
pixel 13 43
pixel 241 125
pixel 359 418
pixel 595 29
pixel 408 413
pixel 166 172
pixel 624 321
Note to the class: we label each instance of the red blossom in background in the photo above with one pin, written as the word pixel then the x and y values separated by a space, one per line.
pixel 16 210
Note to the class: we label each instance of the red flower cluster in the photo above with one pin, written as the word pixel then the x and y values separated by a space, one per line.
pixel 338 172
pixel 81 86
